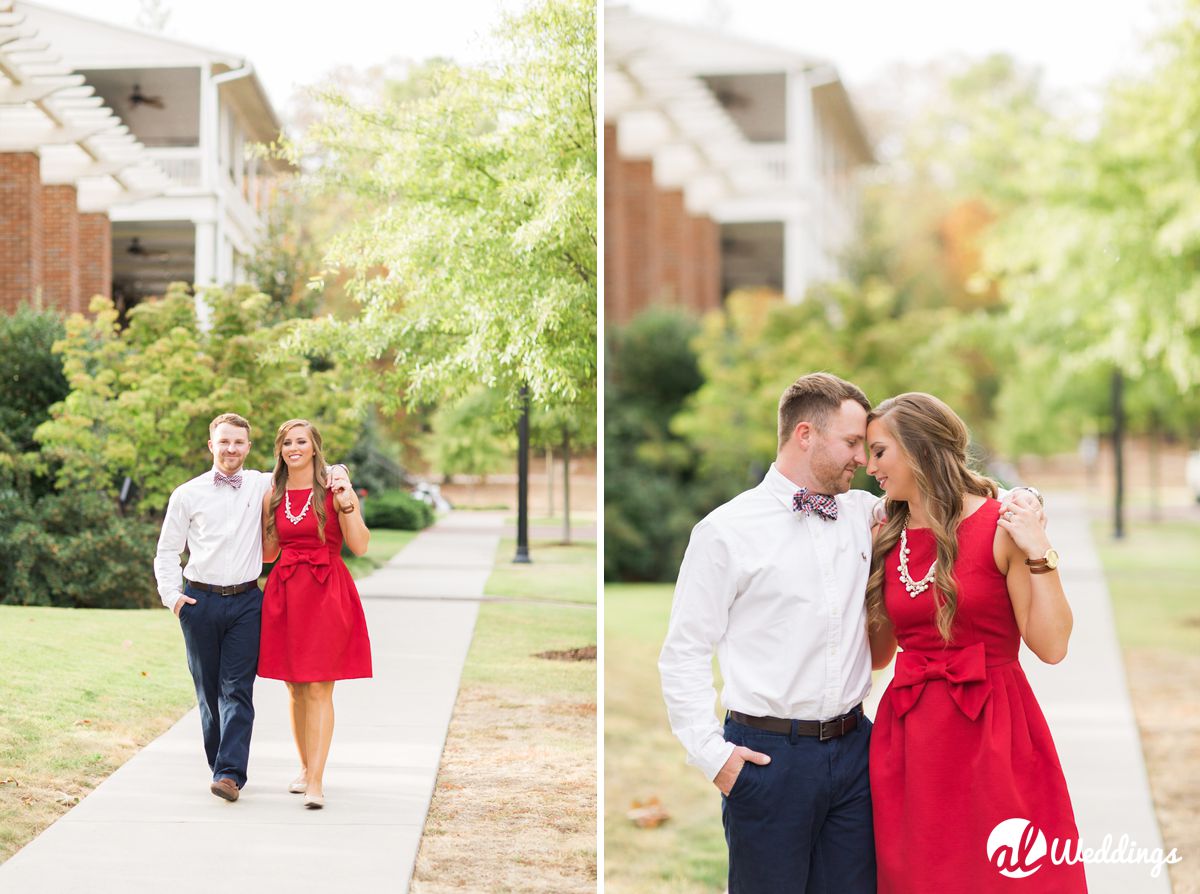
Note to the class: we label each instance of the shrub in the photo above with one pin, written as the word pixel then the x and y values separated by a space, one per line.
pixel 77 551
pixel 141 397
pixel 31 374
pixel 397 510
pixel 651 495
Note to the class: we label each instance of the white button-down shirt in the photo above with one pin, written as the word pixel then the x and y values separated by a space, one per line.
pixel 780 596
pixel 221 528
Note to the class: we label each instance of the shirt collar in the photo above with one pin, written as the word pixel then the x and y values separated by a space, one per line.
pixel 780 486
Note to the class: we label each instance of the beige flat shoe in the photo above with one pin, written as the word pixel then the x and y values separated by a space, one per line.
pixel 314 802
pixel 298 786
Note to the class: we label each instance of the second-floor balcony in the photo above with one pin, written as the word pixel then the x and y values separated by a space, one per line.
pixel 183 165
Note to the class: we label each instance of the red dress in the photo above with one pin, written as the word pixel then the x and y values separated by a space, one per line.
pixel 313 626
pixel 960 744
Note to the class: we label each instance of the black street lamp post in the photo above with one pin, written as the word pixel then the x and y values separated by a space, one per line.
pixel 522 556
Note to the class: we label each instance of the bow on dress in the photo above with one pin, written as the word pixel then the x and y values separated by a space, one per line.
pixel 317 558
pixel 964 670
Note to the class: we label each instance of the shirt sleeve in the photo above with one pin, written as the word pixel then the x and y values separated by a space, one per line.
pixel 704 592
pixel 171 542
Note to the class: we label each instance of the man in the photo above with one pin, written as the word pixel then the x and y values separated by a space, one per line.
pixel 218 517
pixel 774 581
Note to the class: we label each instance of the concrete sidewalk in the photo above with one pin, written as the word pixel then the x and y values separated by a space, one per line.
pixel 1086 702
pixel 153 826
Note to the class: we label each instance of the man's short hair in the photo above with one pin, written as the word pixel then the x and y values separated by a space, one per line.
pixel 232 419
pixel 813 399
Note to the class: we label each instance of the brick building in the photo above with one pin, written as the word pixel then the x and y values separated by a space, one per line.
pixel 65 160
pixel 189 112
pixel 728 164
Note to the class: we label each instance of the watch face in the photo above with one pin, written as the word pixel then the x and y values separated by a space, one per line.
pixel 1052 558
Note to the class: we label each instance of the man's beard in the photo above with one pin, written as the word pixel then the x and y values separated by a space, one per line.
pixel 827 474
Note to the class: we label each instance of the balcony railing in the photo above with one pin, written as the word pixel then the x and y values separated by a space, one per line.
pixel 181 165
pixel 773 158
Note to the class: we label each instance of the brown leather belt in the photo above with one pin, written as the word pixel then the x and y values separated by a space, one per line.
pixel 824 730
pixel 231 590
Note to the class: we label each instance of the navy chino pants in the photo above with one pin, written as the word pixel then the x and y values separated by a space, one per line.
pixel 221 635
pixel 802 823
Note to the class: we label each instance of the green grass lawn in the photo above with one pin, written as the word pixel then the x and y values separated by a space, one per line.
pixel 642 759
pixel 557 573
pixel 383 546
pixel 1152 576
pixel 82 691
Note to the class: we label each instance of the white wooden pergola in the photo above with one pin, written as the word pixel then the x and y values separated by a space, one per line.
pixel 48 109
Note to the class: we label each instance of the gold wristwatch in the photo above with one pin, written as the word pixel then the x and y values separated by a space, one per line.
pixel 1045 564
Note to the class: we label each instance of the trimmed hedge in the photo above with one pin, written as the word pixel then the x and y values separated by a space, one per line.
pixel 397 510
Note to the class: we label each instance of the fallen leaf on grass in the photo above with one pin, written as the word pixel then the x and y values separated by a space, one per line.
pixel 144 674
pixel 27 800
pixel 82 722
pixel 65 799
pixel 648 814
pixel 10 781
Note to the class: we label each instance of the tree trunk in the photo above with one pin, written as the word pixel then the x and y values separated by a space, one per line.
pixel 566 448
pixel 1118 435
pixel 550 482
pixel 1155 469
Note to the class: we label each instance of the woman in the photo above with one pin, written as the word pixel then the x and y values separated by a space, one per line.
pixel 313 627
pixel 960 744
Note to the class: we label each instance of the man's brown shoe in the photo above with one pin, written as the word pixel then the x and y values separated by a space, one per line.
pixel 225 788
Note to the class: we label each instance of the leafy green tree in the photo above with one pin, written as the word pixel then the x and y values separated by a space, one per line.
pixel 141 398
pixel 1098 251
pixel 652 497
pixel 467 438
pixel 473 252
pixel 752 349
pixel 567 430
pixel 287 257
pixel 31 376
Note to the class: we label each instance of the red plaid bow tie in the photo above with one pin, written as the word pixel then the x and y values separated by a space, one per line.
pixel 234 480
pixel 822 504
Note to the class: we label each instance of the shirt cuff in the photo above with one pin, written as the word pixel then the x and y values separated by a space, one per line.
pixel 713 755
pixel 173 600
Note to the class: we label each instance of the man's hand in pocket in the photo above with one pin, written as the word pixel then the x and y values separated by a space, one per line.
pixel 729 773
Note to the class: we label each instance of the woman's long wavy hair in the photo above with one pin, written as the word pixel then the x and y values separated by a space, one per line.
pixel 280 476
pixel 935 441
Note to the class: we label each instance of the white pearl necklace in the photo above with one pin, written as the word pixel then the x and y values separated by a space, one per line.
pixel 287 508
pixel 915 588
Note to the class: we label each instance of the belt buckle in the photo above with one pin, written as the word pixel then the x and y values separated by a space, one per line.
pixel 837 728
pixel 229 590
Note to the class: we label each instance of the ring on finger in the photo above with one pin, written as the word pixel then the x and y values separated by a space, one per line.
pixel 1009 515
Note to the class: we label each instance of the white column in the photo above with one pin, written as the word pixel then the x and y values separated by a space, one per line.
pixel 802 178
pixel 797 258
pixel 206 267
pixel 210 130
pixel 224 257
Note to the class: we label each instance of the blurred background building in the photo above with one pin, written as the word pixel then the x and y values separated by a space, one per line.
pixel 728 164
pixel 123 160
